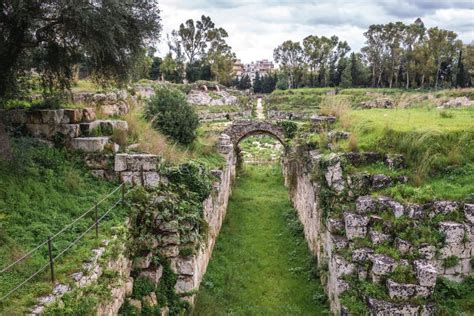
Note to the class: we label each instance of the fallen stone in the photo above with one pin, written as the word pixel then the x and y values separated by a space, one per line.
pixel 382 264
pixel 444 207
pixel 400 290
pixel 362 254
pixel 365 204
pixel 378 238
pixel 381 181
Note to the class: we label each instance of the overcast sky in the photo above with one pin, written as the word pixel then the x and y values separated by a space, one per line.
pixel 256 27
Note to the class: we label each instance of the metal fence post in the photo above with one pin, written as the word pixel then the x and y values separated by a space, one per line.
pixel 51 259
pixel 97 221
pixel 123 194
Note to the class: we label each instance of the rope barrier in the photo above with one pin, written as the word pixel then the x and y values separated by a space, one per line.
pixel 75 241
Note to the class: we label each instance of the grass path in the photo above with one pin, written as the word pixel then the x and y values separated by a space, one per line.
pixel 261 264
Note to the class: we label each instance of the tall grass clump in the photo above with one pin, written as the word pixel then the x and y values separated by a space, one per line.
pixel 429 153
pixel 338 106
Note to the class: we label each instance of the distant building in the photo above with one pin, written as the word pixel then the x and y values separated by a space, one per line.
pixel 263 67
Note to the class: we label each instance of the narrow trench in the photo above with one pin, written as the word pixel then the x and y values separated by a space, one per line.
pixel 261 264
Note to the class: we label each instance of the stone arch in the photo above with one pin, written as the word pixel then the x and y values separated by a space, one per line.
pixel 243 129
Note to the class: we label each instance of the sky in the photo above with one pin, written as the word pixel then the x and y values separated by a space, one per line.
pixel 257 27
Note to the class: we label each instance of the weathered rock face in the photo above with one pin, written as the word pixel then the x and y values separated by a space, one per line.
pixel 217 98
pixel 283 115
pixel 209 117
pixel 458 102
pixel 109 104
pixel 381 103
pixel 345 240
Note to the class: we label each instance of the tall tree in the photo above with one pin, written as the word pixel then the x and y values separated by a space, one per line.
pixel 257 84
pixel 442 45
pixel 374 52
pixel 110 36
pixel 290 56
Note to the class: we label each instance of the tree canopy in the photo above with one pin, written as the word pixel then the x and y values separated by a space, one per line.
pixel 53 36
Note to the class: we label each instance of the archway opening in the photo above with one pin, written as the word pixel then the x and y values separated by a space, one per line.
pixel 259 148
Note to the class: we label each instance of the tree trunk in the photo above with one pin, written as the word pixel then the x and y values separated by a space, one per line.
pixel 408 80
pixel 437 76
pixel 5 148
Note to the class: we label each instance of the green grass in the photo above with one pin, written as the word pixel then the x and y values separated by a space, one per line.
pixel 42 191
pixel 261 264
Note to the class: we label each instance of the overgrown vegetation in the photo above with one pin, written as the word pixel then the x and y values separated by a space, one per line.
pixel 42 190
pixel 261 263
pixel 170 113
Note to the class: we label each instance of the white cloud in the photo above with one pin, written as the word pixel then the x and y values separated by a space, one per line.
pixel 256 27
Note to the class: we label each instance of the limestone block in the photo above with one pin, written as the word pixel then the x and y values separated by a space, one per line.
pixel 355 220
pixel 69 130
pixel 339 242
pixel 333 175
pixel 131 177
pixel 170 239
pixel 469 212
pixel 365 204
pixel 120 162
pixel 394 161
pixel 98 161
pixel 381 181
pixel 427 251
pixel 397 208
pixel 444 207
pixel 452 231
pixel 402 245
pixel 88 115
pixel 153 274
pixel 150 300
pixel 169 251
pixel 425 273
pixel 382 264
pixel 378 238
pixel 89 144
pixel 137 304
pixel 334 226
pixel 152 179
pixel 145 162
pixel 72 116
pixel 362 254
pixel 340 266
pixel 14 117
pixel 52 117
pixel 143 262
pixel 186 266
pixel 384 308
pixel 41 130
pixel 400 290
pixel 452 249
pixel 184 284
pixel 355 225
pixel 341 286
pixel 415 211
pixel 164 311
pixel 466 266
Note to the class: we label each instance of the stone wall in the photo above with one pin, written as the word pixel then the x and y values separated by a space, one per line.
pixel 345 240
pixel 286 115
pixel 220 116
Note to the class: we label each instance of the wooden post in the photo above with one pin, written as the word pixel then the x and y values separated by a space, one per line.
pixel 51 259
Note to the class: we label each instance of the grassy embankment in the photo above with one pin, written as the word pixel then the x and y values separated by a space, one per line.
pixel 261 264
pixel 437 143
pixel 42 191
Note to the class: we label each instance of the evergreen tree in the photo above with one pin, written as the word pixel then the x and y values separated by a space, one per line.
pixel 257 84
pixel 346 76
pixel 245 83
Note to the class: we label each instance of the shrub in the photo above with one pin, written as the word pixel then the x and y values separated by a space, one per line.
pixel 169 112
pixel 289 127
pixel 451 262
pixel 142 287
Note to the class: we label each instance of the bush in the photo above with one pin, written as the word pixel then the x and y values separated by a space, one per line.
pixel 169 112
pixel 289 127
